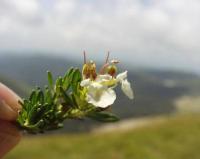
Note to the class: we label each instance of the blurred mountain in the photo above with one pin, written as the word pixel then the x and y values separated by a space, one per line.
pixel 155 90
pixel 32 70
pixel 20 88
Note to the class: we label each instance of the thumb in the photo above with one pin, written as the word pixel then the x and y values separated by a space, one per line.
pixel 9 137
pixel 9 107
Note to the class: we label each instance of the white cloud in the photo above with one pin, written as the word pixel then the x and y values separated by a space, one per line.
pixel 150 32
pixel 25 7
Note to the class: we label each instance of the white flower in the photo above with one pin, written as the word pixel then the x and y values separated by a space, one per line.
pixel 125 84
pixel 98 94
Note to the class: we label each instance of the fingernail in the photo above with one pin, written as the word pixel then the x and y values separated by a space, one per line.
pixel 6 112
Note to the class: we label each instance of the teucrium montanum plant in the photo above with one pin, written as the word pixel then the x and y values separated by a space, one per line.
pixel 75 96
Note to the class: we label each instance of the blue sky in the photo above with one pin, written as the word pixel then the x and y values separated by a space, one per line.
pixel 151 33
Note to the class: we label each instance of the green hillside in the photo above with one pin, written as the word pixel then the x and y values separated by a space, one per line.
pixel 176 138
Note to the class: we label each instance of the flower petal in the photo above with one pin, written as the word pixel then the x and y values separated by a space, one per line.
pixel 126 88
pixel 122 76
pixel 85 83
pixel 105 77
pixel 104 99
pixel 106 80
pixel 95 86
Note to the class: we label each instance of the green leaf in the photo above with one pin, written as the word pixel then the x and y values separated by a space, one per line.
pixel 103 116
pixel 74 100
pixel 50 79
pixel 36 127
pixel 40 97
pixel 33 97
pixel 59 81
pixel 68 73
pixel 48 96
pixel 37 113
pixel 58 84
pixel 66 97
pixel 77 76
pixel 67 79
pixel 76 79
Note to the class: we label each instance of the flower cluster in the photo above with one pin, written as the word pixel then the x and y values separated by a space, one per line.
pixel 100 87
pixel 74 96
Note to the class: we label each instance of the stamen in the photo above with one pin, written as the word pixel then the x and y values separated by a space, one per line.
pixel 84 55
pixel 107 58
pixel 102 70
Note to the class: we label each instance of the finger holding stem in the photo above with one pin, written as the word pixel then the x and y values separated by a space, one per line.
pixel 9 107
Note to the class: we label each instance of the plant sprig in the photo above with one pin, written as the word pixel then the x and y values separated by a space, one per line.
pixel 62 99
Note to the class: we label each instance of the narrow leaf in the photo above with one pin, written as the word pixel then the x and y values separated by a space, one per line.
pixel 103 117
pixel 40 97
pixel 50 79
pixel 66 97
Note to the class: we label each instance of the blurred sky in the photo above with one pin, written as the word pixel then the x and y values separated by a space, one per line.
pixel 160 33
